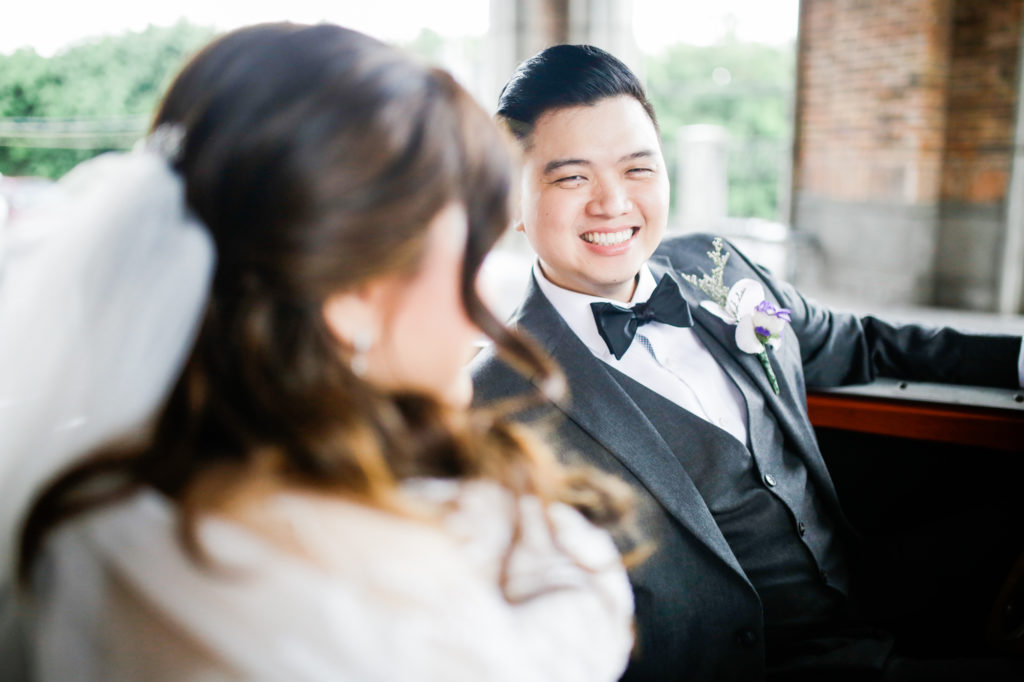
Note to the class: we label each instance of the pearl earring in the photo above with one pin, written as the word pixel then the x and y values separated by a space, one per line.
pixel 361 345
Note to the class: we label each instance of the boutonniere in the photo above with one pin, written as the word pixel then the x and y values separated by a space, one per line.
pixel 759 324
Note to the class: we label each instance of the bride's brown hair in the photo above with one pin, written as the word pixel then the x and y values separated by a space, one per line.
pixel 316 157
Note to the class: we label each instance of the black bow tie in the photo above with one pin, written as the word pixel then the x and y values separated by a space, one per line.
pixel 618 325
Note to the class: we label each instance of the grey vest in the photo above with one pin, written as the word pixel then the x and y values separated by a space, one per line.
pixel 766 507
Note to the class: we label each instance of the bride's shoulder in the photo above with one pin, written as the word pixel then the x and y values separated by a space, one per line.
pixel 450 519
pixel 435 522
pixel 344 577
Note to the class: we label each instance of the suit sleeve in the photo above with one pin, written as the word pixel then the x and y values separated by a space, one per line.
pixel 840 348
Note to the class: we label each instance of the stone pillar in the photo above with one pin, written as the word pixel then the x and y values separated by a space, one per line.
pixel 607 24
pixel 519 29
pixel 702 185
pixel 522 28
pixel 1011 279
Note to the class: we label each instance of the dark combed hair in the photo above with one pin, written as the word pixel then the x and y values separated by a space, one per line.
pixel 316 157
pixel 565 76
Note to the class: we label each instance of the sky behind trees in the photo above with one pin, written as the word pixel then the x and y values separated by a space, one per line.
pixel 96 74
pixel 49 27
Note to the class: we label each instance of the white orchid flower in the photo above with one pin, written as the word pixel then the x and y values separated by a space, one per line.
pixel 759 323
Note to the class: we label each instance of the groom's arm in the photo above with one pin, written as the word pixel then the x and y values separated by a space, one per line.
pixel 842 348
pixel 839 348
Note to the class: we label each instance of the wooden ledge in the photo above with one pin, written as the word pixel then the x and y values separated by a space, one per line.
pixel 930 415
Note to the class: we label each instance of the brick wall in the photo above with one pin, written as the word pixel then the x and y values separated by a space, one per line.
pixel 982 94
pixel 872 98
pixel 905 112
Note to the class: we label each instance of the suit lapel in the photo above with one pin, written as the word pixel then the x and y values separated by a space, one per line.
pixel 746 371
pixel 600 406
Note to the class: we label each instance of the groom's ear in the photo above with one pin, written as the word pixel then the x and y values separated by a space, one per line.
pixel 518 179
pixel 516 210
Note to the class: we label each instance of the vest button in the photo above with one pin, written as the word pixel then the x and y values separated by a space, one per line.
pixel 769 480
pixel 746 637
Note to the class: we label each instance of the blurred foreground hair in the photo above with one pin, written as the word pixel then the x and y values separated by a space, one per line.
pixel 316 157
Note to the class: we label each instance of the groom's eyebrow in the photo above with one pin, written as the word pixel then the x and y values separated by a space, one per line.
pixel 561 163
pixel 642 154
pixel 554 165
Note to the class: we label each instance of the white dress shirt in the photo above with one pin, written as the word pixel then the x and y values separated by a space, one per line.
pixel 671 361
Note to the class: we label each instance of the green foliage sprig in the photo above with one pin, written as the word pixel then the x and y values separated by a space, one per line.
pixel 712 284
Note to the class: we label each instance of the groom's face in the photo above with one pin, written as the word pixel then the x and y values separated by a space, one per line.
pixel 595 195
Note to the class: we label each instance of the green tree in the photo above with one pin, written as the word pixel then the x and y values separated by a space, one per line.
pixel 744 87
pixel 112 82
pixel 427 44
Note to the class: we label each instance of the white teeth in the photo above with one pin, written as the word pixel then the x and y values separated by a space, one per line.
pixel 607 238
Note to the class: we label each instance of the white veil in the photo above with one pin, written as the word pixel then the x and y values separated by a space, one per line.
pixel 100 297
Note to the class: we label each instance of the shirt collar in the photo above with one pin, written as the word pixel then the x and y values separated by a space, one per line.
pixel 574 307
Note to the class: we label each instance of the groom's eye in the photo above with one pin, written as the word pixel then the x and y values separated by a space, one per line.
pixel 570 180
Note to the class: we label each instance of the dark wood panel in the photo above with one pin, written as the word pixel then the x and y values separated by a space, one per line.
pixel 983 427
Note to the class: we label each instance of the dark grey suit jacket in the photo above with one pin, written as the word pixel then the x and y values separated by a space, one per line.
pixel 698 616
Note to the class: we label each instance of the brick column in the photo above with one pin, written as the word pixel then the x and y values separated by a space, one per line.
pixel 869 142
pixel 903 145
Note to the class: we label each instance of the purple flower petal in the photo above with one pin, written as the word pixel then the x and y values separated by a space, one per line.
pixel 769 309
